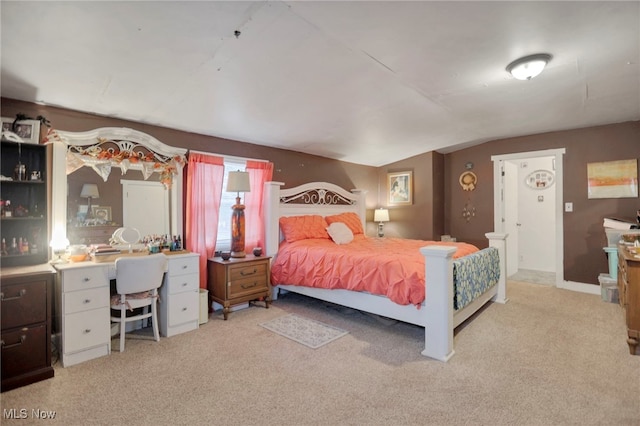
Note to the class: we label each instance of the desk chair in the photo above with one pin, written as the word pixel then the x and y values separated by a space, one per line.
pixel 137 282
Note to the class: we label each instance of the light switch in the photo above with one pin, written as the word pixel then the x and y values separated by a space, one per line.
pixel 568 207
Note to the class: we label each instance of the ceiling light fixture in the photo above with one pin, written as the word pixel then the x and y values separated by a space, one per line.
pixel 529 66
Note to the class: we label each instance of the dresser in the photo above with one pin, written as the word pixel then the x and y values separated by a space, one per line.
pixel 629 294
pixel 238 280
pixel 26 303
pixel 180 295
pixel 83 314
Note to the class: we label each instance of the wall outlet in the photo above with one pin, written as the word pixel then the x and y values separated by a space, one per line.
pixel 568 207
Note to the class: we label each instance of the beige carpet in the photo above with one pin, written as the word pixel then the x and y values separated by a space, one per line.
pixel 548 357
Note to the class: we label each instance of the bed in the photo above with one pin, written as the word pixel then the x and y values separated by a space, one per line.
pixel 479 275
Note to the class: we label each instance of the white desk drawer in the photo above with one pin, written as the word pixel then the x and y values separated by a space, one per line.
pixel 183 283
pixel 85 300
pixel 184 307
pixel 84 278
pixel 86 329
pixel 183 265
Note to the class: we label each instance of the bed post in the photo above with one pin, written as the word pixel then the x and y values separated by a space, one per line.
pixel 499 241
pixel 271 212
pixel 438 330
pixel 361 205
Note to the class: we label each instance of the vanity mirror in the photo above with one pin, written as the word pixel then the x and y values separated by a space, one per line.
pixel 103 151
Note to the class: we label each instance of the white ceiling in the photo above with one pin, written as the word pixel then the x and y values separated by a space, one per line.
pixel 365 82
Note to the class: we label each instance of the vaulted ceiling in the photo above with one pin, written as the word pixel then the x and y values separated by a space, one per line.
pixel 365 82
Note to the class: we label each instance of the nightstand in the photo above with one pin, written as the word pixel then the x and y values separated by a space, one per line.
pixel 238 280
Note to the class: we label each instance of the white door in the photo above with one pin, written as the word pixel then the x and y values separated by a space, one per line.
pixel 145 206
pixel 530 191
pixel 532 218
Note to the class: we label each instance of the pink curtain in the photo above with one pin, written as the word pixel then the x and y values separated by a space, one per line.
pixel 259 173
pixel 205 174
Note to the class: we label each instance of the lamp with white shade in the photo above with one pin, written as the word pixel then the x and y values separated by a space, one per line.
pixel 89 191
pixel 238 182
pixel 381 215
pixel 528 67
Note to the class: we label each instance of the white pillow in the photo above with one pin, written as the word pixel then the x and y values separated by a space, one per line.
pixel 340 233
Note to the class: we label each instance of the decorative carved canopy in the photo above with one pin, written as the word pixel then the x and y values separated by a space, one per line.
pixel 107 147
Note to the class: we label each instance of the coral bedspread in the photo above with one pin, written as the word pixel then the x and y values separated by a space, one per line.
pixel 390 267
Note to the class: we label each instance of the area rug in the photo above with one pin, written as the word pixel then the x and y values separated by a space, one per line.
pixel 303 330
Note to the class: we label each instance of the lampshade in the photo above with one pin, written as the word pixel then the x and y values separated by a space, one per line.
pixel 89 190
pixel 381 215
pixel 529 66
pixel 238 182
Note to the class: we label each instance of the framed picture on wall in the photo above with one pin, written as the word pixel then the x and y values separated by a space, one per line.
pixel 27 130
pixel 400 188
pixel 613 179
pixel 101 213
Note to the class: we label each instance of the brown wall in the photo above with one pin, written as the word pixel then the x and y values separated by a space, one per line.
pixel 438 199
pixel 424 219
pixel 292 168
pixel 584 236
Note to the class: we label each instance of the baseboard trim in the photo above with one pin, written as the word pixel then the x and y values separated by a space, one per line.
pixel 580 287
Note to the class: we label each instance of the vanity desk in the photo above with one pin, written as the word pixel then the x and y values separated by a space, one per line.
pixel 83 305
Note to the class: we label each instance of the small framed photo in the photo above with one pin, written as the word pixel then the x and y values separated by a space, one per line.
pixel 101 213
pixel 28 131
pixel 400 188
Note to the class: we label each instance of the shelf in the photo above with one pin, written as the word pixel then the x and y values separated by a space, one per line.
pixel 29 199
pixel 23 182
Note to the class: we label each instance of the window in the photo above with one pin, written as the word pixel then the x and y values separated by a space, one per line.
pixel 227 201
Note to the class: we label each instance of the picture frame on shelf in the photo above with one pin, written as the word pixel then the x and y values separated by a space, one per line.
pixel 101 213
pixel 400 188
pixel 28 131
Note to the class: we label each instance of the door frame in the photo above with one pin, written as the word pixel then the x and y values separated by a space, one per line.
pixel 498 199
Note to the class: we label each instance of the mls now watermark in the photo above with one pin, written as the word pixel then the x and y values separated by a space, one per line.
pixel 23 413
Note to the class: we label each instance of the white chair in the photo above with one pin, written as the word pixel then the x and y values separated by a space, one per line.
pixel 137 282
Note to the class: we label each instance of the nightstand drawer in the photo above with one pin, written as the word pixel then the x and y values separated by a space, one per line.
pixel 241 272
pixel 84 278
pixel 79 301
pixel 246 286
pixel 86 329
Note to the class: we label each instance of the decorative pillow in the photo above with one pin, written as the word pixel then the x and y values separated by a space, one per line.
pixel 296 228
pixel 352 220
pixel 340 233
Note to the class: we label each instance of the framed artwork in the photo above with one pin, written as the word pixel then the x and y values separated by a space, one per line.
pixel 613 179
pixel 400 188
pixel 101 213
pixel 27 130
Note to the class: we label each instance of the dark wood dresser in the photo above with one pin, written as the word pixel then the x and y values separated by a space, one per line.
pixel 26 304
pixel 629 292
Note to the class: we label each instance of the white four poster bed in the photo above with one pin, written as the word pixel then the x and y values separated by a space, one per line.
pixel 436 314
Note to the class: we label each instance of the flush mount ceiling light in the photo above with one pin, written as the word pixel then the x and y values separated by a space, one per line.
pixel 529 66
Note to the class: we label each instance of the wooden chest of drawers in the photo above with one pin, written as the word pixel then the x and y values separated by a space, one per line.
pixel 629 293
pixel 239 280
pixel 26 325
